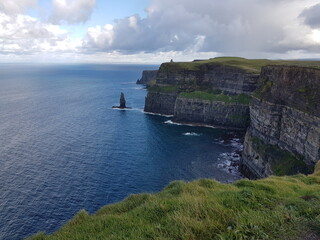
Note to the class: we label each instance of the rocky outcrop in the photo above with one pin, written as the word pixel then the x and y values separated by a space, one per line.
pixel 148 76
pixel 229 79
pixel 203 77
pixel 216 113
pixel 285 120
pixel 160 102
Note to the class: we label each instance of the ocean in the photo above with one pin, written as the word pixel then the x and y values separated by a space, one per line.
pixel 63 148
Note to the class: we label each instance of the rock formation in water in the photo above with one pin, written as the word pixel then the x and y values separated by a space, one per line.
pixel 122 102
pixel 148 76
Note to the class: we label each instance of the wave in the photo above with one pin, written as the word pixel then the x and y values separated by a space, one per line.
pixel 125 83
pixel 129 109
pixel 158 114
pixel 188 124
pixel 230 162
pixel 193 134
pixel 172 122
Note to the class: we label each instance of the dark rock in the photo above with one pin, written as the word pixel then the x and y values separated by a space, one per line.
pixel 230 80
pixel 147 77
pixel 216 113
pixel 284 115
pixel 122 101
pixel 160 102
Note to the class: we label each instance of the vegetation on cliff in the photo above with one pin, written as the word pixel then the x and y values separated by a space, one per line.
pixel 241 98
pixel 291 86
pixel 271 208
pixel 249 65
pixel 282 162
pixel 162 88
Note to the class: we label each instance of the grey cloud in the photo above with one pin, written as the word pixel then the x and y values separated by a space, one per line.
pixel 228 26
pixel 72 11
pixel 19 6
pixel 311 16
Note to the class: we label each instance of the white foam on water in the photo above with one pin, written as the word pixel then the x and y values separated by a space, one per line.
pixel 158 114
pixel 192 134
pixel 187 124
pixel 173 123
pixel 229 162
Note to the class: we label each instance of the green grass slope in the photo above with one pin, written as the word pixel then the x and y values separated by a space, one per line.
pixel 249 65
pixel 271 208
pixel 241 98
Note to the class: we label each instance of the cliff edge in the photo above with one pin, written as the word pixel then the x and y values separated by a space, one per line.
pixel 205 92
pixel 148 77
pixel 284 134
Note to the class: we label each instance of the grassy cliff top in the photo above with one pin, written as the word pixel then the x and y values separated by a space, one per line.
pixel 249 65
pixel 271 208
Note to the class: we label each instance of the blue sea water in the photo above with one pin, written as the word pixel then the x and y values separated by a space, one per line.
pixel 63 148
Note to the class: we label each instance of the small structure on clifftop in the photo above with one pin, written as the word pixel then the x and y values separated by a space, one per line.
pixel 122 102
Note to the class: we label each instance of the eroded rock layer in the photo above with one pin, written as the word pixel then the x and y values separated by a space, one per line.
pixel 285 123
pixel 216 113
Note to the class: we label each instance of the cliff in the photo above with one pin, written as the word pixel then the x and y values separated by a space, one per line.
pixel 228 112
pixel 219 78
pixel 271 208
pixel 284 135
pixel 160 102
pixel 148 76
pixel 208 76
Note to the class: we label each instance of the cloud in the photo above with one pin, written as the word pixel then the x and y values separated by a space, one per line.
pixel 21 34
pixel 72 11
pixel 311 16
pixel 10 7
pixel 229 27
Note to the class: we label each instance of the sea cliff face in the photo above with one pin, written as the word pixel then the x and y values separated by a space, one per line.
pixel 282 121
pixel 217 113
pixel 209 76
pixel 285 123
pixel 160 102
pixel 147 77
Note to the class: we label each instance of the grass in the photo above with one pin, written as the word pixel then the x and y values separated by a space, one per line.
pixel 164 88
pixel 242 98
pixel 248 65
pixel 271 208
pixel 282 161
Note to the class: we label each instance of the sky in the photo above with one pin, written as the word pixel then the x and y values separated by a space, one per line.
pixel 155 31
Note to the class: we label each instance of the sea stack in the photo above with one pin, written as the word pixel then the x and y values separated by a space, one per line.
pixel 122 101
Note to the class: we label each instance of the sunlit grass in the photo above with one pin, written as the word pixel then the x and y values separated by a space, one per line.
pixel 248 65
pixel 271 208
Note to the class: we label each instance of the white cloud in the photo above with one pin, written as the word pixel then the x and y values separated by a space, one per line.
pixel 21 34
pixel 72 11
pixel 16 6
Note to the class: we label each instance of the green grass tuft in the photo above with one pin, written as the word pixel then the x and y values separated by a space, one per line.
pixel 164 88
pixel 282 161
pixel 242 98
pixel 271 208
pixel 248 65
